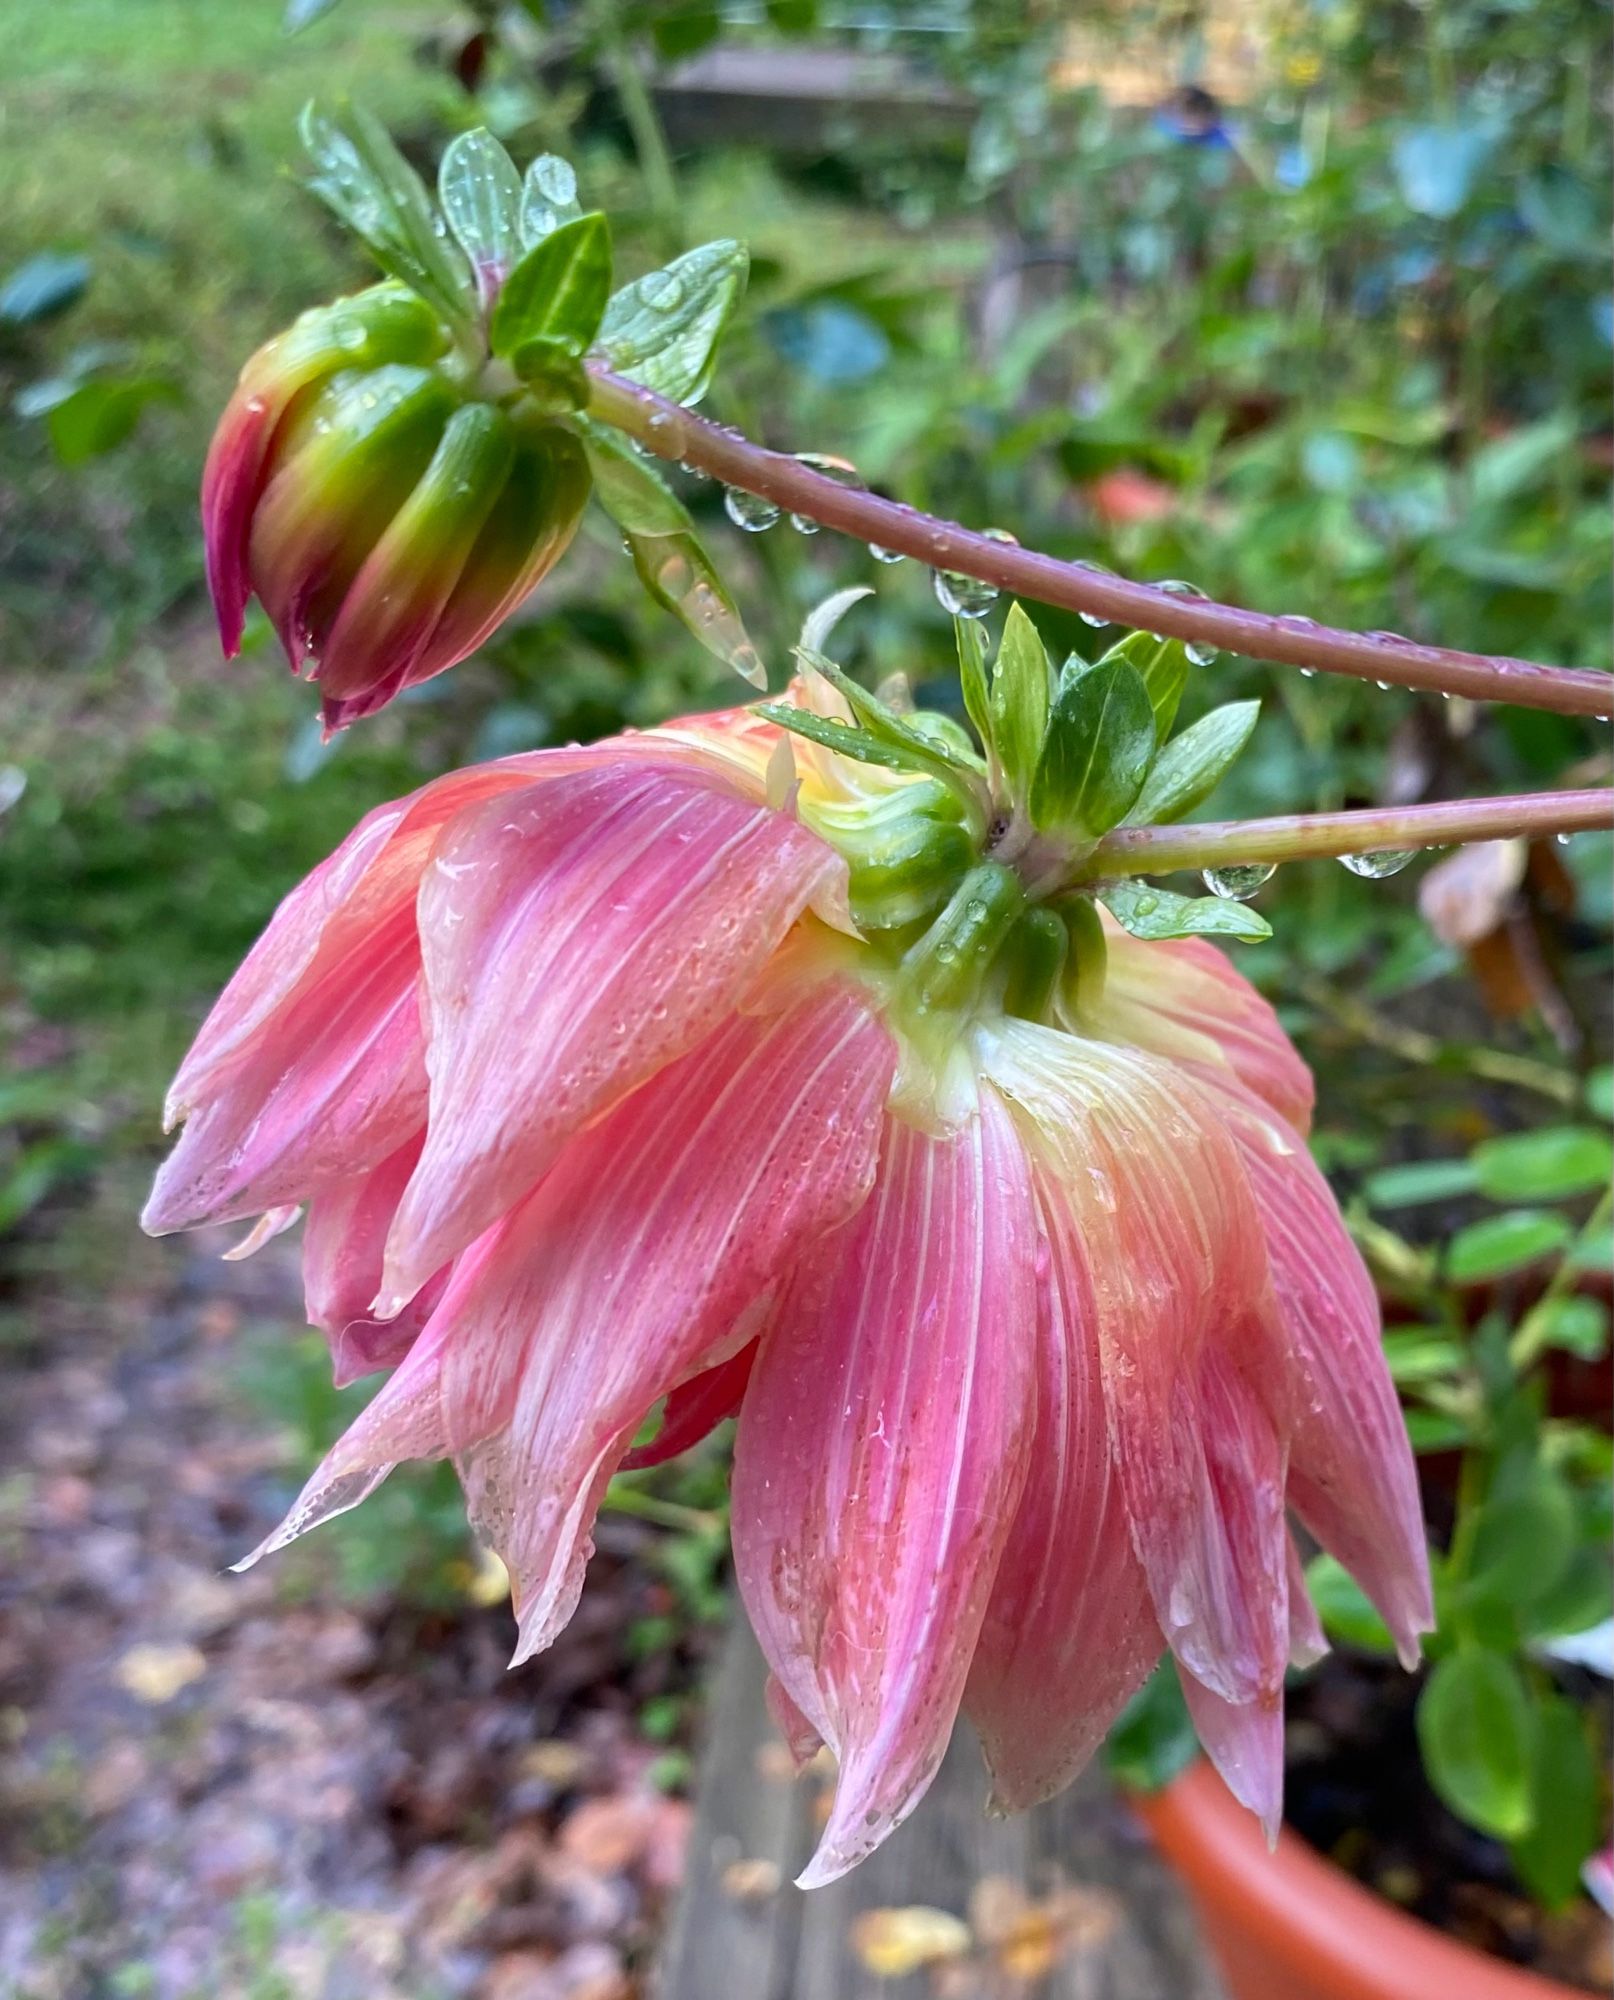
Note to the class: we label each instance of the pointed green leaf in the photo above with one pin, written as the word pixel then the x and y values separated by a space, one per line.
pixel 662 329
pixel 971 642
pixel 1549 1164
pixel 958 769
pixel 1193 764
pixel 1550 1856
pixel 1019 700
pixel 1097 752
pixel 666 550
pixel 843 737
pixel 558 290
pixel 479 192
pixel 1148 912
pixel 1163 663
pixel 1503 1243
pixel 1343 1607
pixel 1476 1728
pixel 362 177
pixel 548 198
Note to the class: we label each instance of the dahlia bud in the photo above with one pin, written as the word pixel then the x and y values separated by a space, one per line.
pixel 387 519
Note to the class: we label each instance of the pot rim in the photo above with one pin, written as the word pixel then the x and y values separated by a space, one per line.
pixel 1310 1915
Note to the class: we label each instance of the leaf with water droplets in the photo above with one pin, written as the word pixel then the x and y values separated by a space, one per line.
pixel 1019 700
pixel 479 192
pixel 548 198
pixel 362 177
pixel 662 330
pixel 971 642
pixel 1193 764
pixel 1097 751
pixel 1148 912
pixel 667 552
pixel 558 290
pixel 953 762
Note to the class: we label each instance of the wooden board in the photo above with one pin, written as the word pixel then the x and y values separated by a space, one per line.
pixel 1066 1903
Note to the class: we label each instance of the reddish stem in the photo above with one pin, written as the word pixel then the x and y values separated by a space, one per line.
pixel 673 432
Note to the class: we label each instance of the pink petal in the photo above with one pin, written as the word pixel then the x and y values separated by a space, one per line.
pixel 628 1270
pixel 881 1454
pixel 342 1246
pixel 695 1409
pixel 1244 1740
pixel 1188 1333
pixel 801 1738
pixel 1182 999
pixel 1307 1640
pixel 1352 1478
pixel 336 1085
pixel 577 937
pixel 1070 1634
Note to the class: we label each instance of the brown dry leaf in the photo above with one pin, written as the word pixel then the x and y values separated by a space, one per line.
pixel 893 1943
pixel 156 1673
pixel 608 1835
pixel 1467 895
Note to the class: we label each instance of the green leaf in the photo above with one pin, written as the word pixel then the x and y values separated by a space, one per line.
pixel 1417 1355
pixel 666 550
pixel 1476 1729
pixel 479 192
pixel 1149 912
pixel 1577 1324
pixel 1549 1164
pixel 302 14
pixel 1600 1091
pixel 1193 764
pixel 94 416
pixel 1435 1430
pixel 1565 1781
pixel 1582 1598
pixel 1164 664
pixel 1017 702
pixel 362 177
pixel 558 290
pixel 548 198
pixel 1504 1243
pixel 1097 751
pixel 971 643
pixel 1343 1607
pixel 1154 1738
pixel 957 768
pixel 842 737
pixel 662 329
pixel 1419 1181
pixel 1524 1538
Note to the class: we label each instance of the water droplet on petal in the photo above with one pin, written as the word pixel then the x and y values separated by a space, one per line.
pixel 1375 867
pixel 1237 884
pixel 963 596
pixel 749 510
pixel 886 555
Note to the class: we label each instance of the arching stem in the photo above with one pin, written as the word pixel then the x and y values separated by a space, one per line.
pixel 1158 850
pixel 672 432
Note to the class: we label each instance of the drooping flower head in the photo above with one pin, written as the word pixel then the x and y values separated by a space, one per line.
pixel 759 1062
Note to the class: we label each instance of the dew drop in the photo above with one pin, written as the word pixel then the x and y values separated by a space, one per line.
pixel 661 291
pixel 1308 673
pixel 1240 882
pixel 1000 535
pixel 1382 686
pixel 554 179
pixel 1562 839
pixel 1201 653
pixel 1094 618
pixel 749 510
pixel 804 524
pixel 886 555
pixel 963 596
pixel 1375 867
pixel 1174 586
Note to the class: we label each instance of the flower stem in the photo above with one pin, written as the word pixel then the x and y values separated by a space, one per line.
pixel 1157 850
pixel 672 432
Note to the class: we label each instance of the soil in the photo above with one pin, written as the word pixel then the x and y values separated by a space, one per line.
pixel 1356 1791
pixel 264 1787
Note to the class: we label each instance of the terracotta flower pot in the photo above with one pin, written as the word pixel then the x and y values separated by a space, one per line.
pixel 1292 1926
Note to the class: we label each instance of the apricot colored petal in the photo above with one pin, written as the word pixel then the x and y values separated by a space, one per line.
pixel 1070 1634
pixel 880 1459
pixel 628 1270
pixel 695 1409
pixel 343 1242
pixel 1352 1478
pixel 1182 999
pixel 1195 1380
pixel 576 937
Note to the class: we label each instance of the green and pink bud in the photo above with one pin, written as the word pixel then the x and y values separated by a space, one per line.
pixel 387 519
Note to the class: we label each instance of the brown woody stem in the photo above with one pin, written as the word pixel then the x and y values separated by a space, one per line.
pixel 1157 850
pixel 672 432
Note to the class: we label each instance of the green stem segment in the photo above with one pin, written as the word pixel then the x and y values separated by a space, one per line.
pixel 672 432
pixel 1158 850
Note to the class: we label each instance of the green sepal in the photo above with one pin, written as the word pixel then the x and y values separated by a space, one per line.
pixel 1019 701
pixel 842 737
pixel 959 769
pixel 1097 752
pixel 1163 664
pixel 362 177
pixel 666 551
pixel 548 198
pixel 947 968
pixel 558 290
pixel 479 192
pixel 903 862
pixel 1088 957
pixel 1149 912
pixel 662 330
pixel 971 642
pixel 1035 954
pixel 1193 764
pixel 553 375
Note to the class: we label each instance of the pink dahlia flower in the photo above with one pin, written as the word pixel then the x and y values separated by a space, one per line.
pixel 634 1076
